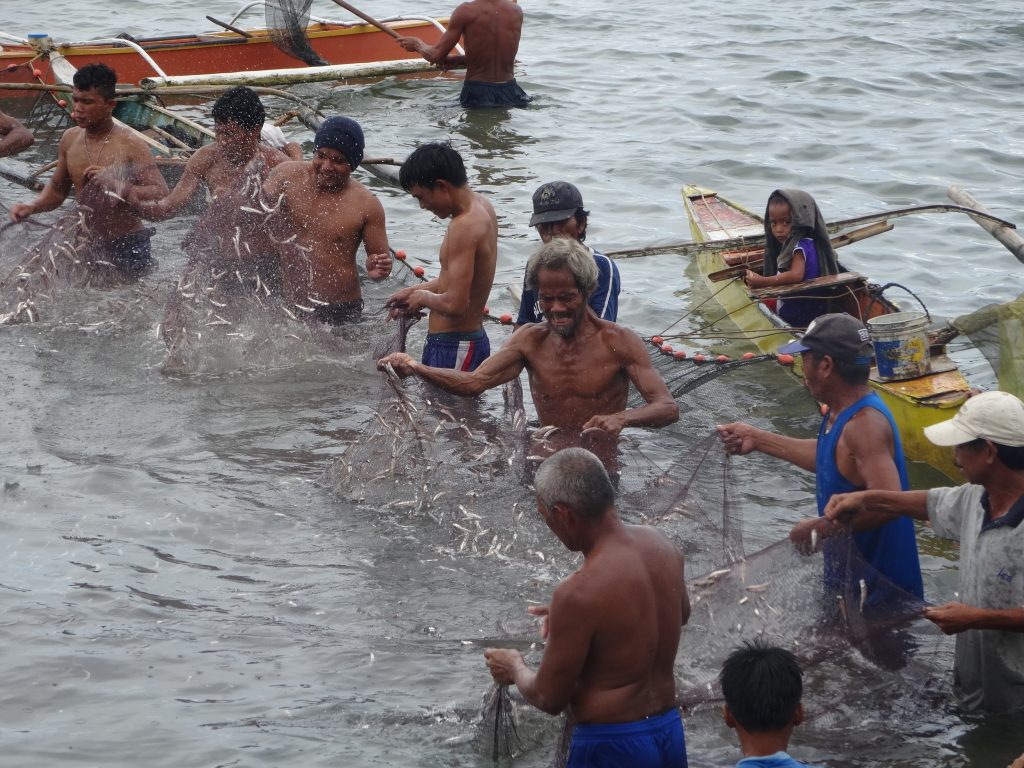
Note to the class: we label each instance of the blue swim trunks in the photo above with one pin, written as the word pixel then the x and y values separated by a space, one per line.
pixel 459 351
pixel 654 742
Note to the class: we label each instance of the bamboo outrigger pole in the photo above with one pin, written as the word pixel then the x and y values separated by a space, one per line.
pixel 736 243
pixel 1001 231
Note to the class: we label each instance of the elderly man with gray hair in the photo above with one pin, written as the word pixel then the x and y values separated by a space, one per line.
pixel 580 367
pixel 612 627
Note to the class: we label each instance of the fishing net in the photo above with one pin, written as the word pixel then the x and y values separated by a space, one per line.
pixel 498 732
pixel 67 254
pixel 286 22
pixel 997 330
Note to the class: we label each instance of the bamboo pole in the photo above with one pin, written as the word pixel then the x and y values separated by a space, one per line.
pixel 1002 231
pixel 736 243
pixel 273 77
pixel 368 19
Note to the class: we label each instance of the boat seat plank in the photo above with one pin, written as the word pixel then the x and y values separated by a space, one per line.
pixel 823 283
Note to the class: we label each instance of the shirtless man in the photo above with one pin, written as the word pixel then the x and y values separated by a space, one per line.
pixel 14 137
pixel 580 367
pixel 233 169
pixel 435 175
pixel 330 213
pixel 105 163
pixel 612 627
pixel 490 30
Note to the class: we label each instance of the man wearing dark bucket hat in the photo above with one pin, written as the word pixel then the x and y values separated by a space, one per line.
pixel 325 215
pixel 985 515
pixel 558 212
pixel 858 447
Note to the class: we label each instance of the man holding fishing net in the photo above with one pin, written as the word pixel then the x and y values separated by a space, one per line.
pixel 107 165
pixel 612 627
pixel 985 515
pixel 325 215
pixel 490 30
pixel 858 446
pixel 580 367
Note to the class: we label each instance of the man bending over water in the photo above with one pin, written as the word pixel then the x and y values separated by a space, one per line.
pixel 580 367
pixel 435 175
pixel 100 158
pixel 329 213
pixel 612 627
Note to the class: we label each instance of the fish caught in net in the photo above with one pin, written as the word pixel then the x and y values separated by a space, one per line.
pixel 498 730
pixel 287 21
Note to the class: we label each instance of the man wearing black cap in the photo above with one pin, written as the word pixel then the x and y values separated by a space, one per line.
pixel 858 447
pixel 558 212
pixel 329 214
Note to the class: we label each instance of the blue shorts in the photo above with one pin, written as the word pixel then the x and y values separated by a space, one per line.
pixel 131 253
pixel 654 742
pixel 458 351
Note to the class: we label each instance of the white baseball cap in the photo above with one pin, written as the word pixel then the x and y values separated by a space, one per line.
pixel 995 416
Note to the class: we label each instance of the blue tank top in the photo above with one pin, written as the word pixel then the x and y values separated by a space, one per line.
pixel 890 549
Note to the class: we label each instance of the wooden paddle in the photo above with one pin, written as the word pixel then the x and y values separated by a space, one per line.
pixel 737 243
pixel 856 235
pixel 368 19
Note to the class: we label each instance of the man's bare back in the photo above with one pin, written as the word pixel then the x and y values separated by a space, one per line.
pixel 329 225
pixel 490 30
pixel 629 597
pixel 612 627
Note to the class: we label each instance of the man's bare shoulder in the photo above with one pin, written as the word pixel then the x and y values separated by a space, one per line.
pixel 624 341
pixel 274 157
pixel 290 171
pixel 867 430
pixel 69 136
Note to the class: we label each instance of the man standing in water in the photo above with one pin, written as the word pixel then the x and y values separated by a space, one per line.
pixel 99 158
pixel 14 137
pixel 858 446
pixel 612 627
pixel 233 169
pixel 558 212
pixel 986 516
pixel 435 175
pixel 330 214
pixel 580 367
pixel 490 30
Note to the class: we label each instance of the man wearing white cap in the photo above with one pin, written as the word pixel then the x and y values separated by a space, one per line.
pixel 985 516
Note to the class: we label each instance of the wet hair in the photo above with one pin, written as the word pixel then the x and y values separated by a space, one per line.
pixel 851 373
pixel 240 105
pixel 430 163
pixel 762 686
pixel 563 253
pixel 577 479
pixel 1011 455
pixel 97 76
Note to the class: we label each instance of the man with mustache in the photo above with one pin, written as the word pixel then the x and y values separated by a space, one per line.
pixel 580 367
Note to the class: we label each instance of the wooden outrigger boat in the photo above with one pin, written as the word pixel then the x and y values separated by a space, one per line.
pixel 233 53
pixel 915 403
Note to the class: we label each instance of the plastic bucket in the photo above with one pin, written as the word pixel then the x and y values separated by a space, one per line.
pixel 901 345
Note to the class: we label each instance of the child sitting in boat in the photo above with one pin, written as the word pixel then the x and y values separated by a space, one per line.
pixel 797 248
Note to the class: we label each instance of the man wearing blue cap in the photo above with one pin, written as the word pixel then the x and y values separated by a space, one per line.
pixel 858 447
pixel 324 215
